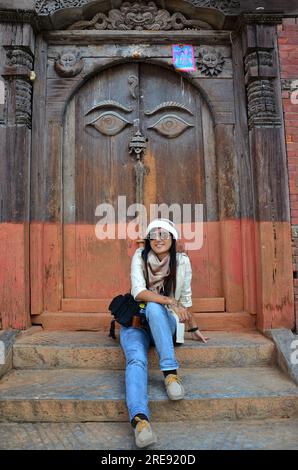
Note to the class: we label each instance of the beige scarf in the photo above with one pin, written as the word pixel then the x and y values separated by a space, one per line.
pixel 157 271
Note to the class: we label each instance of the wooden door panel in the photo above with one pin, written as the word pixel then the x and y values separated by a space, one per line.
pixel 178 171
pixel 177 163
pixel 97 169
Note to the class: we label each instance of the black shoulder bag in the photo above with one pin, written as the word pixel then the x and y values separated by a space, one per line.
pixel 123 308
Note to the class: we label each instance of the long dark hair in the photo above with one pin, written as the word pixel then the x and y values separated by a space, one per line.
pixel 170 281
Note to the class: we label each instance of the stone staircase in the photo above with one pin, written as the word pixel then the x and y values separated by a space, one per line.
pixel 75 381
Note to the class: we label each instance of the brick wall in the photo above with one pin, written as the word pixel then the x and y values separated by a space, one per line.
pixel 288 51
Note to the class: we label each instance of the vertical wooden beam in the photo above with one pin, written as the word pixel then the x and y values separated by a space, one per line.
pixel 275 300
pixel 16 59
pixel 229 216
pixel 38 179
pixel 245 180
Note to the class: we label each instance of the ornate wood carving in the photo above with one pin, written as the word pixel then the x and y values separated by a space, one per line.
pixel 137 145
pixel 139 16
pixel 69 63
pixel 19 55
pixel 170 126
pixel 137 148
pixel 19 63
pixel 262 110
pixel 109 123
pixel 229 7
pixel 23 102
pixel 260 74
pixel 110 103
pixel 210 62
pixel 48 7
pixel 256 58
pixel 19 16
pixel 133 82
pixel 167 105
pixel 260 18
pixel 260 63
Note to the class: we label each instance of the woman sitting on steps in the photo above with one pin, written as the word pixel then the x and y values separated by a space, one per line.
pixel 161 278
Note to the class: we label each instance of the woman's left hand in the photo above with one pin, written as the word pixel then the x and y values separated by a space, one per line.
pixel 197 335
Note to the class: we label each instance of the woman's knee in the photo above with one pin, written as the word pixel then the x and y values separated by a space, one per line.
pixel 135 355
pixel 154 310
pixel 140 362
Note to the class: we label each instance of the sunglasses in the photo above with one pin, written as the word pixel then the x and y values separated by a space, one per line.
pixel 162 235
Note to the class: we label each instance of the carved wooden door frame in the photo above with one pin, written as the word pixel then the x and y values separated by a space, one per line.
pixel 241 265
pixel 222 113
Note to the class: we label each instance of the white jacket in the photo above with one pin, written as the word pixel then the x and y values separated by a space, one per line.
pixel 183 292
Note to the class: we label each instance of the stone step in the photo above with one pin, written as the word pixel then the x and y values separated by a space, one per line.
pixel 96 350
pixel 74 395
pixel 88 321
pixel 270 434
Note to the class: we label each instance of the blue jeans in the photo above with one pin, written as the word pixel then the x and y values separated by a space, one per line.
pixel 135 343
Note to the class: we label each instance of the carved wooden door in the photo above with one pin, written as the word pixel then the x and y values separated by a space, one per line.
pixel 97 168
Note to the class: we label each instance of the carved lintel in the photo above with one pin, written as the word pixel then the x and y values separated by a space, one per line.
pixel 262 109
pixel 68 63
pixel 140 16
pixel 49 7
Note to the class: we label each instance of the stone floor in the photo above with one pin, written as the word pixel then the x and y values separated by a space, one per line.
pixel 216 435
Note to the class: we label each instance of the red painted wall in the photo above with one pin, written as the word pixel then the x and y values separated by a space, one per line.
pixel 288 51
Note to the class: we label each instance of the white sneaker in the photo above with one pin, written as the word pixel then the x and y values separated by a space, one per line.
pixel 174 387
pixel 144 435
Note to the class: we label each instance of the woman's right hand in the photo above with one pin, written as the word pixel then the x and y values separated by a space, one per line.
pixel 183 314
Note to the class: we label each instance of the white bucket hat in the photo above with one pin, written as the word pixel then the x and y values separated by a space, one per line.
pixel 165 224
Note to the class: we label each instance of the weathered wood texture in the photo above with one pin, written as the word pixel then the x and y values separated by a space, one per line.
pixel 214 274
pixel 101 305
pixel 73 321
pixel 95 165
pixel 128 37
pixel 246 190
pixel 16 59
pixel 271 198
pixel 229 215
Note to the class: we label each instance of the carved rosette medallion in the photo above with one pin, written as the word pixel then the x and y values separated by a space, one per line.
pixel 68 63
pixel 210 62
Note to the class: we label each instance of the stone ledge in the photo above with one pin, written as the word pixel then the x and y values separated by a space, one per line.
pixel 69 395
pixel 95 350
pixel 8 338
pixel 283 340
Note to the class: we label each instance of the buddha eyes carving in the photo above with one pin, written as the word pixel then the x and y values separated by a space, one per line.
pixel 109 123
pixel 170 126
